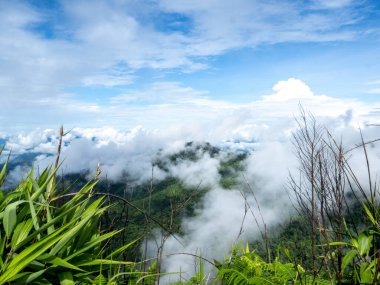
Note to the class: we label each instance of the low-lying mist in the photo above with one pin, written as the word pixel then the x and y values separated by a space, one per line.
pixel 225 215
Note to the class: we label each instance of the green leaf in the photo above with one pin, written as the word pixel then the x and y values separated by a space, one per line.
pixel 41 189
pixel 2 245
pixel 33 214
pixel 369 214
pixel 19 277
pixel 28 255
pixel 92 244
pixel 365 243
pixel 74 200
pixel 57 261
pixel 57 220
pixel 366 275
pixel 105 262
pixel 287 253
pixel 21 232
pixel 338 243
pixel 4 169
pixel 34 276
pixel 70 234
pixel 120 250
pixel 10 217
pixel 349 256
pixel 66 278
pixel 43 176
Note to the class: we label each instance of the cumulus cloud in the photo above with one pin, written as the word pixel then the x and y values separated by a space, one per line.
pixel 291 89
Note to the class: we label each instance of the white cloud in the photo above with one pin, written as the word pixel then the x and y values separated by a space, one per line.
pixel 290 89
pixel 102 43
pixel 107 80
pixel 374 91
pixel 374 82
pixel 169 107
pixel 197 118
pixel 203 172
pixel 219 218
pixel 162 93
pixel 249 23
pixel 209 234
pixel 332 4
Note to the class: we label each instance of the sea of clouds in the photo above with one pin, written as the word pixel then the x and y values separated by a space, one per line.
pixel 263 128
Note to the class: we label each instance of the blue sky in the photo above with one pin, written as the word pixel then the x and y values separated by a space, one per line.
pixel 159 62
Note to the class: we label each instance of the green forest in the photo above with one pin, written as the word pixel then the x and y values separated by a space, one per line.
pixel 67 229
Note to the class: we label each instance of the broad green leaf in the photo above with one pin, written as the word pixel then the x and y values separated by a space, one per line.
pixel 10 217
pixel 66 278
pixel 365 243
pixel 366 275
pixel 57 220
pixel 28 255
pixel 88 232
pixel 70 234
pixel 21 232
pixel 19 277
pixel 100 280
pixel 32 277
pixel 355 243
pixel 92 244
pixel 348 257
pixel 10 198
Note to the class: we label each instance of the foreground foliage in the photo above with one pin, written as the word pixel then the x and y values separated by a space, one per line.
pixel 48 237
pixel 245 266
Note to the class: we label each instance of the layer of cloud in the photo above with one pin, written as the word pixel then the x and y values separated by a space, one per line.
pixel 200 118
pixel 220 219
pixel 49 50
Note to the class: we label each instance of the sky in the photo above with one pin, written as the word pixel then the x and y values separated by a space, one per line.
pixel 162 63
